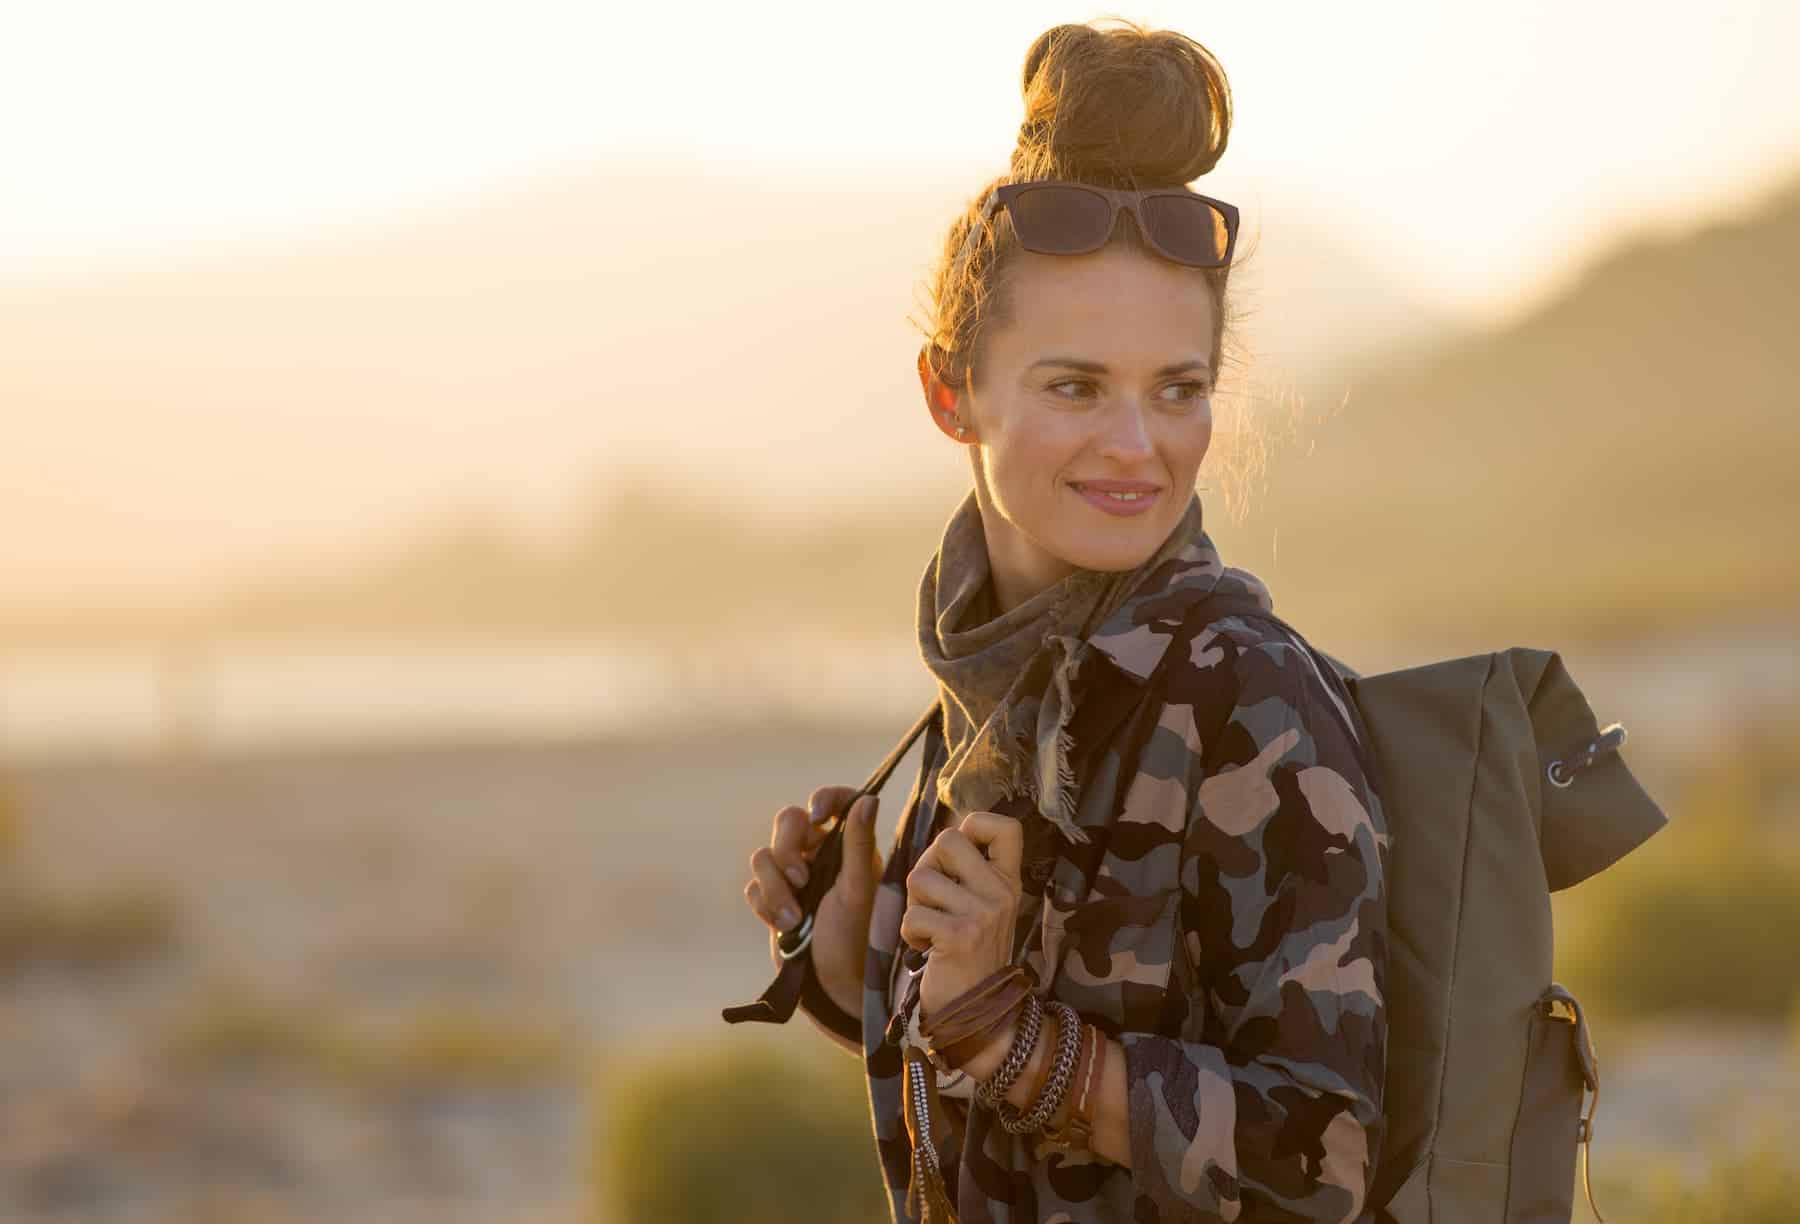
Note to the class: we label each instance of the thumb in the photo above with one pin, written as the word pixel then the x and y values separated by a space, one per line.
pixel 860 857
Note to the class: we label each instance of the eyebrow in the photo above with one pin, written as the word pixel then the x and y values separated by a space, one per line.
pixel 1100 367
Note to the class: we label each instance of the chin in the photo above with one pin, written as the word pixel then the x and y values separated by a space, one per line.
pixel 1116 555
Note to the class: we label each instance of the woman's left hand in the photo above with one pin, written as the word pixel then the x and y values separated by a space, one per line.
pixel 963 905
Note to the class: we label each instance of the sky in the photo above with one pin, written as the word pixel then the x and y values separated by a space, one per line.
pixel 1485 147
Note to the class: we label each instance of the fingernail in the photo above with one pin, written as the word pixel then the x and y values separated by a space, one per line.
pixel 797 873
pixel 788 917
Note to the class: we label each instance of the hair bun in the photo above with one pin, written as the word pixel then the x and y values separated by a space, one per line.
pixel 1121 106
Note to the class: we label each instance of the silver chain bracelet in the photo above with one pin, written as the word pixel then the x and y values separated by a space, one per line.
pixel 1056 1087
pixel 1031 1019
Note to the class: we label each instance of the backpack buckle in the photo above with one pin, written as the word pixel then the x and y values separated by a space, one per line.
pixel 1562 771
pixel 1558 996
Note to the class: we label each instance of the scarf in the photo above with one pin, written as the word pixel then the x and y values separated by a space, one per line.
pixel 1006 681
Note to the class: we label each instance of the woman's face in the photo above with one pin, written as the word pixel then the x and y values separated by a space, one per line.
pixel 1100 373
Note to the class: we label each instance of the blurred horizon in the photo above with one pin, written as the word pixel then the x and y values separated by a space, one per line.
pixel 538 502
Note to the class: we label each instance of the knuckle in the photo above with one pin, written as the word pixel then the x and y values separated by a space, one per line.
pixel 761 857
pixel 788 819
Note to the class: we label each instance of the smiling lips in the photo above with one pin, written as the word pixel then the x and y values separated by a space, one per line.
pixel 1103 494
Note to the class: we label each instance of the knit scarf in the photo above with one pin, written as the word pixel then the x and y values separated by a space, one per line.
pixel 1006 681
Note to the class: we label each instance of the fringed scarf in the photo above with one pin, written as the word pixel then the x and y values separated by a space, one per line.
pixel 1007 680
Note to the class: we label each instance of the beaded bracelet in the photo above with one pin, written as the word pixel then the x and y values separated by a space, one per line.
pixel 1068 1049
pixel 1031 1018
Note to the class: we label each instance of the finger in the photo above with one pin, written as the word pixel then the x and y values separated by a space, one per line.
pixel 938 890
pixel 791 841
pixel 1002 837
pixel 957 857
pixel 921 925
pixel 779 908
pixel 862 863
pixel 753 897
pixel 828 801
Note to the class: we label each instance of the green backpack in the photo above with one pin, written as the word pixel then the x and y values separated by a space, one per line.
pixel 1499 788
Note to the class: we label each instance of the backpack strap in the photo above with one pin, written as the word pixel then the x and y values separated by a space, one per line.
pixel 776 1004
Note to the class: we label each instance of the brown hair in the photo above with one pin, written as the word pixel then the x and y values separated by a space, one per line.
pixel 1124 107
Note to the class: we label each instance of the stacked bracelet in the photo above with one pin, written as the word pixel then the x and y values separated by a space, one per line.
pixel 964 1025
pixel 990 1091
pixel 1077 1130
pixel 1069 1031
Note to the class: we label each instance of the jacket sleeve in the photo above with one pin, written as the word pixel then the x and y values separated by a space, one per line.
pixel 1277 1115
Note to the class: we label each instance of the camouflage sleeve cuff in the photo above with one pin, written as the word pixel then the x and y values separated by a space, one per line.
pixel 1182 1123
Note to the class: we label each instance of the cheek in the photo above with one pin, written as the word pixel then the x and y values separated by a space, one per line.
pixel 1038 453
pixel 1196 438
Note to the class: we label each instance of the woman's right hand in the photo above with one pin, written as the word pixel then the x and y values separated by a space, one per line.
pixel 778 871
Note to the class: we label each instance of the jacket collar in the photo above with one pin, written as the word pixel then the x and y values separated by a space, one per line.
pixel 1139 631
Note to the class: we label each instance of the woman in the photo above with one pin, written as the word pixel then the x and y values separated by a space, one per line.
pixel 1148 796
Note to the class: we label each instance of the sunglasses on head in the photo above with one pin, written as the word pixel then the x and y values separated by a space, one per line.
pixel 1053 217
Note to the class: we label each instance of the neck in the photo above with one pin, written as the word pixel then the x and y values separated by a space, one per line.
pixel 1017 568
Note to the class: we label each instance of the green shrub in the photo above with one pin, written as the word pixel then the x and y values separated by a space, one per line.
pixel 738 1132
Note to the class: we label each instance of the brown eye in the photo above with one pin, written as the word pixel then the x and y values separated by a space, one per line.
pixel 1080 383
pixel 1192 391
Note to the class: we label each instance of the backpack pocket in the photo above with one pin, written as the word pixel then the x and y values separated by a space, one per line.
pixel 1549 1126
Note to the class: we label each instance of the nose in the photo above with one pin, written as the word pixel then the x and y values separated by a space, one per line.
pixel 1125 434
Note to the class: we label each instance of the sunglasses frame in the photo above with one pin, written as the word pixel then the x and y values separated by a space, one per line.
pixel 1003 195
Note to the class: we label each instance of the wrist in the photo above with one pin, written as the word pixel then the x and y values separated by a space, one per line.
pixel 847 997
pixel 982 1065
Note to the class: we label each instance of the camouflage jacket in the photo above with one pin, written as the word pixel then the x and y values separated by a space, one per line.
pixel 1225 925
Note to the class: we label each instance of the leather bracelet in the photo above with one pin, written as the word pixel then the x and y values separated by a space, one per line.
pixel 1068 1049
pixel 1090 1092
pixel 990 1090
pixel 953 1045
pixel 957 1055
pixel 975 1000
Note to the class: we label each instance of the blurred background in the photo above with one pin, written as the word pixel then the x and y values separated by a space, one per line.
pixel 462 471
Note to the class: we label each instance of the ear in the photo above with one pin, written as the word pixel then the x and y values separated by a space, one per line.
pixel 944 402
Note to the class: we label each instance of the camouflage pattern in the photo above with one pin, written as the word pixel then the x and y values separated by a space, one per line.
pixel 1224 922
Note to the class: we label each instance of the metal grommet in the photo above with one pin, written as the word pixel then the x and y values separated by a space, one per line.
pixel 802 935
pixel 1559 779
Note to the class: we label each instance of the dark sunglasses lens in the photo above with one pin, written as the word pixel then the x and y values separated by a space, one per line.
pixel 1187 229
pixel 1060 220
